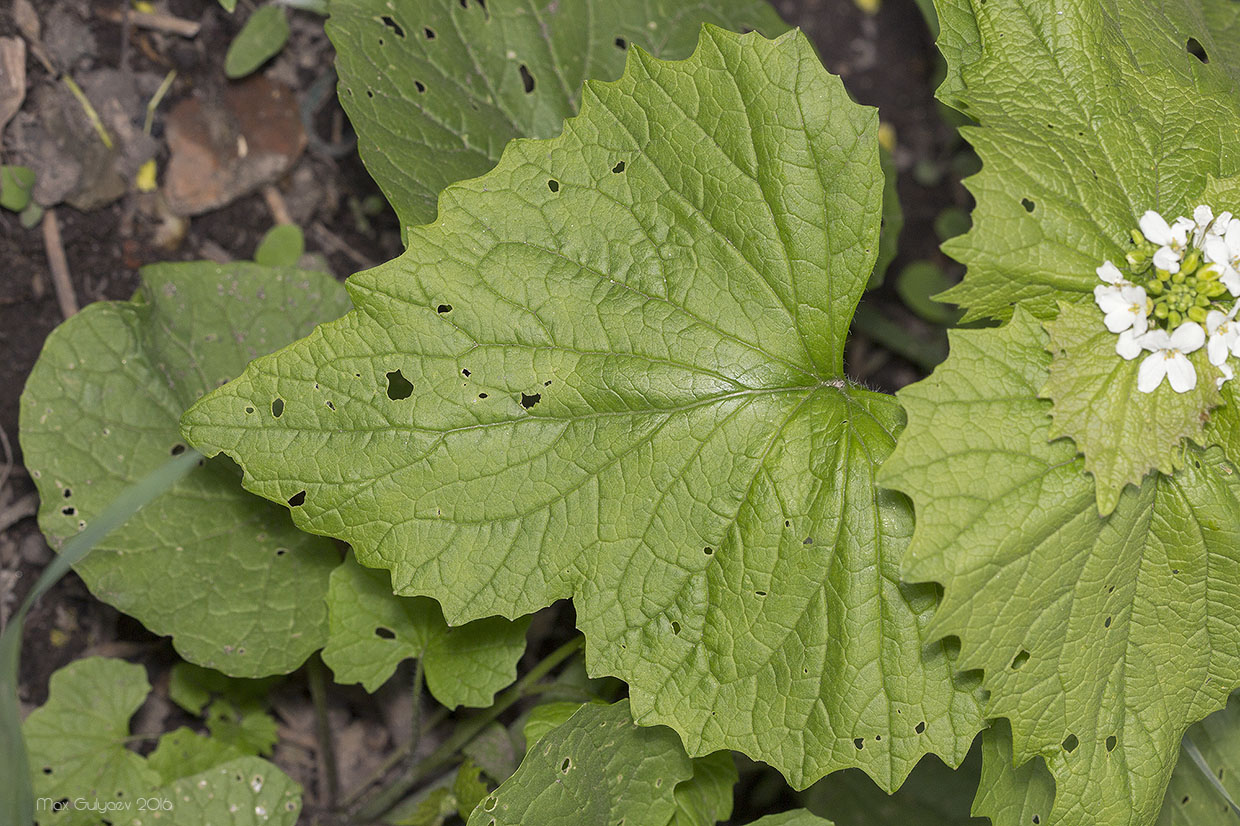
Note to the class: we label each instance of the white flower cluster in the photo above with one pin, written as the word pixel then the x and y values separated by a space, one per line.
pixel 1181 274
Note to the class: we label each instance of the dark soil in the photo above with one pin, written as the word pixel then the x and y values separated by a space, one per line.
pixel 886 60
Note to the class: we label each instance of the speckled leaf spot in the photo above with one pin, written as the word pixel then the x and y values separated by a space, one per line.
pixel 612 371
pixel 101 411
pixel 437 90
pixel 1101 639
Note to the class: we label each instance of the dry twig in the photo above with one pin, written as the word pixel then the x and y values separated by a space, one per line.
pixel 59 264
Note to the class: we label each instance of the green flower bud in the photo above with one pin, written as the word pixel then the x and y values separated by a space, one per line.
pixel 1191 262
pixel 1155 287
pixel 1197 314
pixel 1178 278
pixel 1212 289
pixel 1163 275
pixel 1208 273
pixel 1173 319
pixel 1160 310
pixel 1202 300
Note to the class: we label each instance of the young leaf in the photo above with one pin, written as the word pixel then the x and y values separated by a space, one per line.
pixel 436 90
pixel 100 411
pixel 1090 113
pixel 78 750
pixel 706 798
pixel 282 246
pixel 77 738
pixel 612 370
pixel 1102 639
pixel 1122 432
pixel 546 718
pixel 598 767
pixel 372 631
pixel 260 39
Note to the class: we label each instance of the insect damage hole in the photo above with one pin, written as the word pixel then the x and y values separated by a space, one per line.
pixel 553 185
pixel 1112 741
pixel 429 33
pixel 920 728
pixel 398 387
pixel 277 408
pixel 177 449
pixel 1070 743
pixel 527 79
pixel 618 168
pixel 528 401
pixel 297 499
pixel 393 25
pixel 1027 204
pixel 621 43
pixel 385 633
pixel 443 308
pixel 1194 47
pixel 566 765
pixel 1019 660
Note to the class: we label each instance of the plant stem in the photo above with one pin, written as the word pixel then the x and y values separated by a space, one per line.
pixel 323 727
pixel 415 726
pixel 382 802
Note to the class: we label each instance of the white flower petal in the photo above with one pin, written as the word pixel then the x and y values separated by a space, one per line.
pixel 1180 373
pixel 1127 345
pixel 1217 349
pixel 1231 280
pixel 1216 251
pixel 1111 274
pixel 1156 339
pixel 1167 259
pixel 1203 215
pixel 1154 228
pixel 1221 221
pixel 1228 375
pixel 1111 299
pixel 1151 373
pixel 1118 320
pixel 1214 320
pixel 1180 230
pixel 1188 337
pixel 1140 322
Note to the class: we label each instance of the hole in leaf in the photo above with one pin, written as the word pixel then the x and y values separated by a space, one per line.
pixel 370 93
pixel 393 25
pixel 553 185
pixel 249 410
pixel 708 551
pixel 920 728
pixel 1184 800
pixel 465 372
pixel 482 395
pixel 329 404
pixel 787 524
pixel 1019 660
pixel 878 737
pixel 420 86
pixel 68 492
pixel 297 499
pixel 47 769
pixel 443 308
pixel 385 633
pixel 621 43
pixel 1027 204
pixel 859 743
pixel 277 408
pixel 1070 743
pixel 1036 820
pixel 809 540
pixel 675 627
pixel 1111 742
pixel 529 401
pixel 1107 623
pixel 759 593
pixel 566 765
pixel 281 551
pixel 398 387
pixel 68 511
pixel 177 449
pixel 618 168
pixel 1198 51
pixel 429 32
pixel 527 79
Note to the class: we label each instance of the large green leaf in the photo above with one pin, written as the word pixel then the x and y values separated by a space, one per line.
pixel 227 575
pixel 1011 795
pixel 372 631
pixel 437 90
pixel 85 772
pixel 1102 639
pixel 612 371
pixel 1090 112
